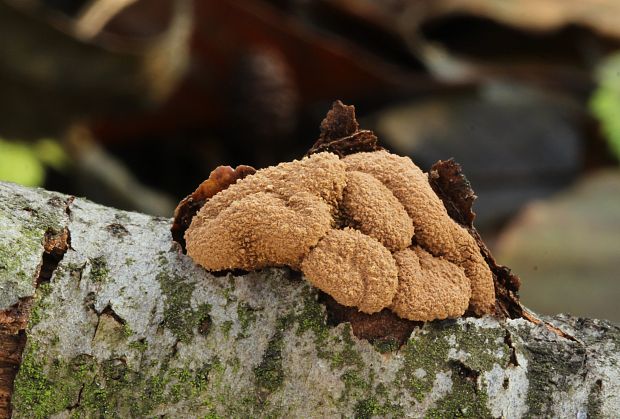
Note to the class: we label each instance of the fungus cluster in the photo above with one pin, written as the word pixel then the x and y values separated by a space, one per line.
pixel 366 228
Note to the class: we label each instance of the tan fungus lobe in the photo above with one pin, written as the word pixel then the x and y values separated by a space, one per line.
pixel 355 269
pixel 429 287
pixel 375 211
pixel 260 230
pixel 434 229
pixel 321 174
pixel 271 218
pixel 219 179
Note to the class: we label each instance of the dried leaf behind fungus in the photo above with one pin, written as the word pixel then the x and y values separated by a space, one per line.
pixel 340 133
pixel 219 179
pixel 451 185
pixel 453 188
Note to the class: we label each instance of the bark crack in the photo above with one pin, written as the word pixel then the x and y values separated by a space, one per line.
pixel 107 311
pixel 13 322
pixel 110 312
pixel 55 246
pixel 467 373
pixel 78 401
pixel 512 361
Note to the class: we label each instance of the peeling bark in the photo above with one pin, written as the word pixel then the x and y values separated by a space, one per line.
pixel 102 315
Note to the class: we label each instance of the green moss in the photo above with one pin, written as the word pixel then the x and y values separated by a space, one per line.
pixel 55 340
pixel 107 389
pixel 127 332
pixel 367 408
pixel 343 355
pixel 34 394
pixel 377 405
pixel 226 326
pixel 246 315
pixel 13 256
pixel 42 303
pixel 353 382
pixel 34 387
pixel 139 345
pixel 99 270
pixel 348 355
pixel 462 402
pixel 229 291
pixel 179 316
pixel 269 374
pixel 162 259
pixel 386 345
pixel 190 384
pixel 41 390
pixel 312 317
pixel 426 354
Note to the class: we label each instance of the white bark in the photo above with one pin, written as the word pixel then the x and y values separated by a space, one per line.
pixel 127 326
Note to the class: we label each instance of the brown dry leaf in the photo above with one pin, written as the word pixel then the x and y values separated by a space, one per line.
pixel 219 179
pixel 340 133
pixel 451 185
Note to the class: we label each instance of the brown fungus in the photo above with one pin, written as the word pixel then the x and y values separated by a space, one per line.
pixel 355 269
pixel 271 218
pixel 346 216
pixel 260 230
pixel 429 287
pixel 219 179
pixel 374 210
pixel 435 231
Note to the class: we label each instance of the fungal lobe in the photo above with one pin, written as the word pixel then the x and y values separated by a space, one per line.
pixel 219 179
pixel 367 227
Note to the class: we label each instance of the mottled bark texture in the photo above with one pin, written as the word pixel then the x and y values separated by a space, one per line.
pixel 101 315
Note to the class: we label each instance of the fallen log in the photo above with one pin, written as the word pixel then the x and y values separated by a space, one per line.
pixel 102 315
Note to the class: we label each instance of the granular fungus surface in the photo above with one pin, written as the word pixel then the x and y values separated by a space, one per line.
pixel 365 227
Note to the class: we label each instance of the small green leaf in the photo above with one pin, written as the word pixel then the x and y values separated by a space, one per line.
pixel 605 102
pixel 51 153
pixel 19 164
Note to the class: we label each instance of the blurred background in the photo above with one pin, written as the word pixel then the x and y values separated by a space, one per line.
pixel 131 103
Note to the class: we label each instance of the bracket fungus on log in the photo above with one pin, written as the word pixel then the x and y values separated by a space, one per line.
pixel 363 225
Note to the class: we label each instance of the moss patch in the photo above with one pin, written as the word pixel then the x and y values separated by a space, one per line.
pixel 42 303
pixel 41 390
pixel 99 270
pixel 548 371
pixel 464 401
pixel 428 353
pixel 225 327
pixel 312 318
pixel 369 408
pixel 19 254
pixel 179 316
pixel 269 374
pixel 246 315
pixel 101 389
